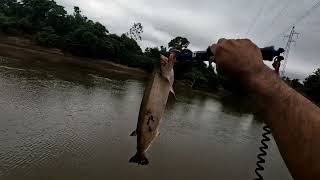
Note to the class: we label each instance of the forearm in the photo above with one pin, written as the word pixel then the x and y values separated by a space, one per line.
pixel 291 118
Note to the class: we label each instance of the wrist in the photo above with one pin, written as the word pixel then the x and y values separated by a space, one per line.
pixel 263 81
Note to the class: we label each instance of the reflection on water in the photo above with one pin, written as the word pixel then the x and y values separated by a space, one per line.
pixel 62 122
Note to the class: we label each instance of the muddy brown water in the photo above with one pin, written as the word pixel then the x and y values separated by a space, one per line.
pixel 63 123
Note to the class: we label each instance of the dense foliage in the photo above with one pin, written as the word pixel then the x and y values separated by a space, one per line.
pixel 179 43
pixel 50 25
pixel 310 86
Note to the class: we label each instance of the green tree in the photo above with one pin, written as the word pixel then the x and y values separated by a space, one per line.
pixel 152 52
pixel 131 44
pixel 202 76
pixel 294 83
pixel 179 43
pixel 312 86
pixel 9 25
pixel 135 31
pixel 50 25
pixel 48 37
pixel 163 51
pixel 10 7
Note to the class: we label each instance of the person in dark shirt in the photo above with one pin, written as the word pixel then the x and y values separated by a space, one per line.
pixel 270 53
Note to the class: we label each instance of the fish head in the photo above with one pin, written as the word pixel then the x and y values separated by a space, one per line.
pixel 166 67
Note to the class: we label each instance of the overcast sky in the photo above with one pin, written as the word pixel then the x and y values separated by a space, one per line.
pixel 203 22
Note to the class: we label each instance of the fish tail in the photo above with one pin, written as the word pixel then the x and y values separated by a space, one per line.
pixel 139 158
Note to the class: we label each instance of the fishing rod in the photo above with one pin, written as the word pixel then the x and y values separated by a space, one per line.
pixel 186 55
pixel 268 54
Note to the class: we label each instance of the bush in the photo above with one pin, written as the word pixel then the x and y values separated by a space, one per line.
pixel 138 61
pixel 202 76
pixel 25 25
pixel 312 86
pixel 47 37
pixel 9 25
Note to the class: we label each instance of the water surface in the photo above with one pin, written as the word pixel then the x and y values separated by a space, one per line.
pixel 63 123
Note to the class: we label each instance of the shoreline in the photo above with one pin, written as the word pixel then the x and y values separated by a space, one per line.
pixel 23 49
pixel 27 51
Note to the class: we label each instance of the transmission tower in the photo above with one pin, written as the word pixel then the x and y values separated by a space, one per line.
pixel 291 39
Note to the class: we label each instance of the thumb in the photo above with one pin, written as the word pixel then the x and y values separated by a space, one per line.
pixel 213 51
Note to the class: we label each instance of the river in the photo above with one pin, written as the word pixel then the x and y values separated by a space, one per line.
pixel 63 122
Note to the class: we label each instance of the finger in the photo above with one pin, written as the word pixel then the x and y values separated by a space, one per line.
pixel 213 50
pixel 221 40
pixel 241 39
pixel 213 47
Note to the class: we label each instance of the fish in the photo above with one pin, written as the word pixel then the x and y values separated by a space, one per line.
pixel 152 107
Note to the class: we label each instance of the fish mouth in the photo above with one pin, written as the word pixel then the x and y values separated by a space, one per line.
pixel 168 61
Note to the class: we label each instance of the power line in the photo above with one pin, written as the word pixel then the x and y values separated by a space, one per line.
pixel 283 10
pixel 255 19
pixel 291 39
pixel 298 20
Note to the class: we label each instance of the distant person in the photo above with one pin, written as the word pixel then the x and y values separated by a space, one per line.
pixel 270 53
pixel 293 119
pixel 277 63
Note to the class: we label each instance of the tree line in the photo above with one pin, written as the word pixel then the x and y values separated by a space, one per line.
pixel 50 25
pixel 310 87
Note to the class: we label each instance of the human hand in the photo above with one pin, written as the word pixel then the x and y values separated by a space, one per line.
pixel 238 59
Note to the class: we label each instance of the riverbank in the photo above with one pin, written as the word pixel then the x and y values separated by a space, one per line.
pixel 28 51
pixel 21 48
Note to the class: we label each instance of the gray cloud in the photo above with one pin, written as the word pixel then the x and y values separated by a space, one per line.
pixel 205 21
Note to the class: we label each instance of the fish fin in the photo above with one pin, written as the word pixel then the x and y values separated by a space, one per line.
pixel 165 77
pixel 172 91
pixel 174 94
pixel 134 133
pixel 140 159
pixel 158 133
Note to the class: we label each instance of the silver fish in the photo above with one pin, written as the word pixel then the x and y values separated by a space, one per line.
pixel 152 108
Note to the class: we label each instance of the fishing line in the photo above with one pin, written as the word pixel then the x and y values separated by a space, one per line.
pixel 276 18
pixel 255 20
pixel 263 153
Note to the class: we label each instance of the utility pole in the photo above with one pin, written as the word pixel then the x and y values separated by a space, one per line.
pixel 291 39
